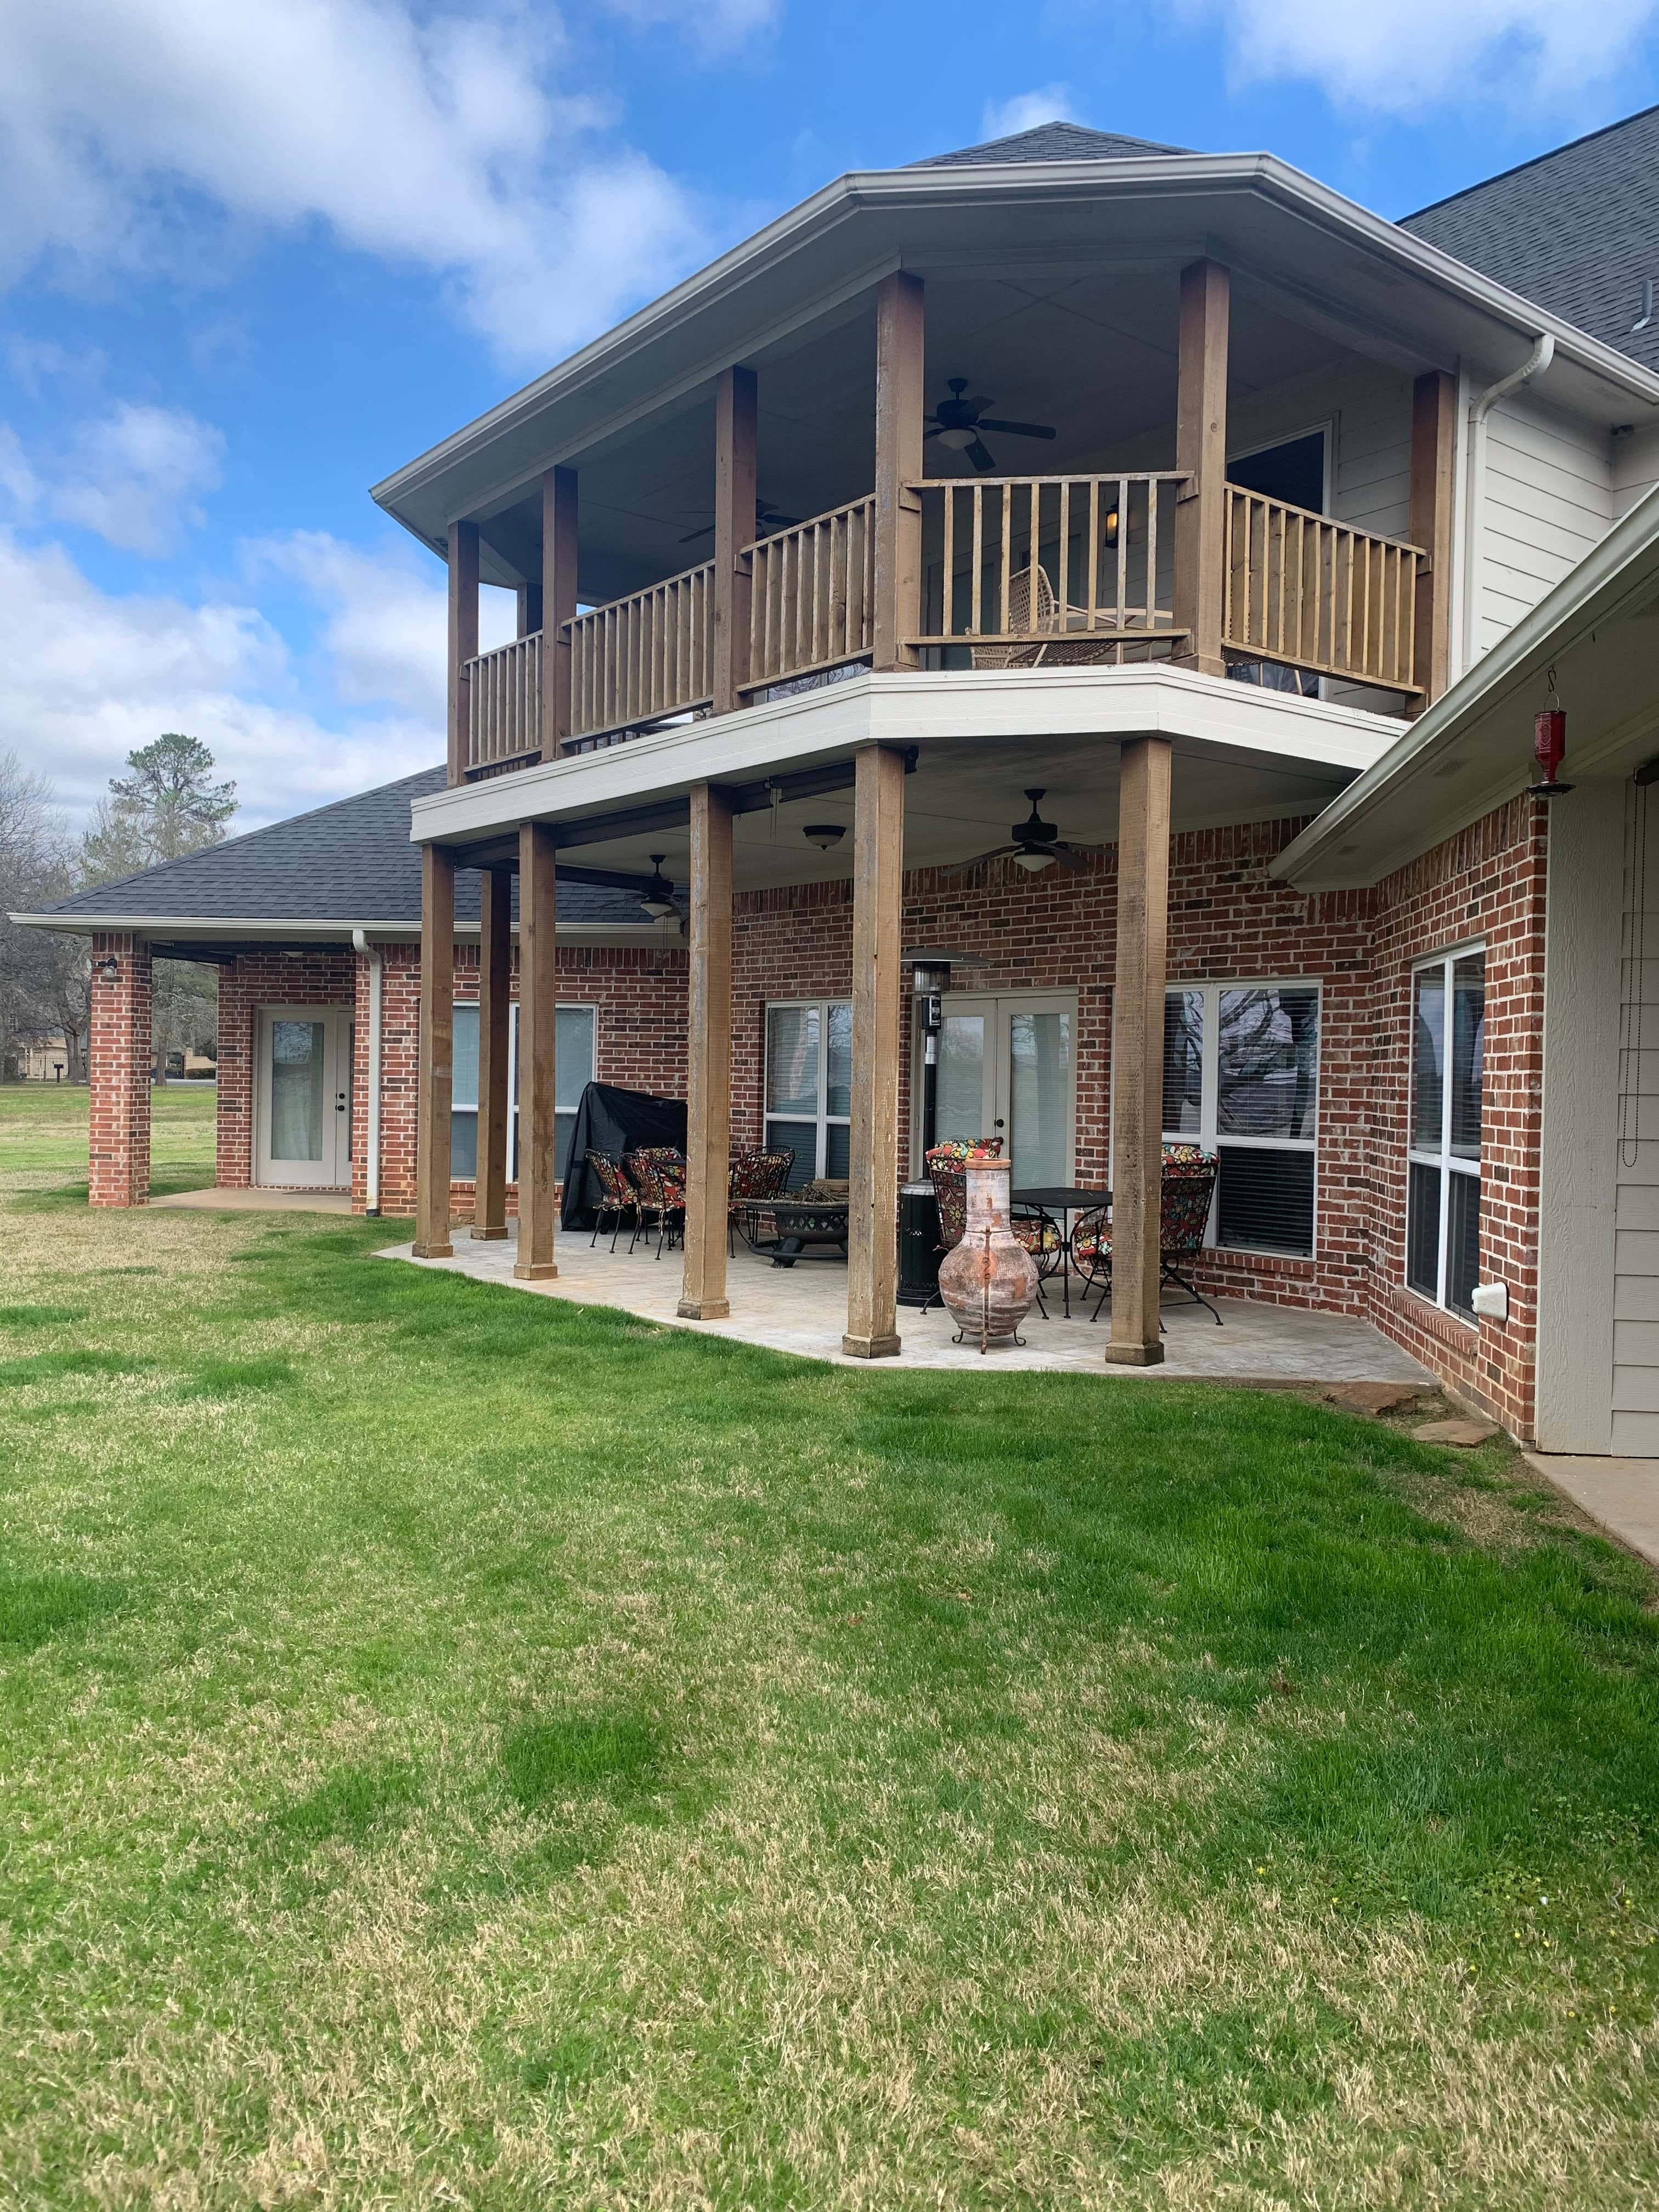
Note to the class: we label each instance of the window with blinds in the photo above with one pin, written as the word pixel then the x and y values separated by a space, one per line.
pixel 809 1085
pixel 1241 1078
pixel 1443 1197
pixel 574 1048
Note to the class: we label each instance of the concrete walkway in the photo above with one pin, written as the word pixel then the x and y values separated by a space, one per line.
pixel 804 1310
pixel 244 1200
pixel 1621 1495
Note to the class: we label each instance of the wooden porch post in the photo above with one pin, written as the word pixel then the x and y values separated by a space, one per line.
pixel 558 607
pixel 901 413
pixel 1143 910
pixel 434 1066
pixel 877 915
pixel 709 1087
pixel 495 967
pixel 736 469
pixel 1200 551
pixel 1434 447
pixel 463 640
pixel 538 1006
pixel 529 610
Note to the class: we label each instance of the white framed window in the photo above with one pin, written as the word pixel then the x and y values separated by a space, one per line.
pixel 809 1084
pixel 1241 1078
pixel 573 1039
pixel 1442 1157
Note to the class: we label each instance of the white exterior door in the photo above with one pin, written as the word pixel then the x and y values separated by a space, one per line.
pixel 302 1098
pixel 1007 1069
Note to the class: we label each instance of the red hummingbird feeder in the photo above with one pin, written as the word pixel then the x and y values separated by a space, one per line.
pixel 1549 746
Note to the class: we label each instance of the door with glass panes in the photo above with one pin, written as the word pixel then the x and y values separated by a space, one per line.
pixel 1007 1069
pixel 302 1102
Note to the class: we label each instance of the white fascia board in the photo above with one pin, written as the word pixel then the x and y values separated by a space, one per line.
pixel 996 706
pixel 183 928
pixel 898 192
pixel 1624 568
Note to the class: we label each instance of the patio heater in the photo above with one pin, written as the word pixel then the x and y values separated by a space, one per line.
pixel 930 979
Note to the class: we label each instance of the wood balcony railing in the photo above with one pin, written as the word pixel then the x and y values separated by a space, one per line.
pixel 504 713
pixel 645 657
pixel 1078 569
pixel 1317 595
pixel 813 596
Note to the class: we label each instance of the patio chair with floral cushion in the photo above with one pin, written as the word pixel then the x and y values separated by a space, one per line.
pixel 755 1175
pixel 659 1175
pixel 619 1196
pixel 946 1166
pixel 1188 1187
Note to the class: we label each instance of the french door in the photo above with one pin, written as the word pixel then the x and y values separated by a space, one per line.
pixel 1007 1069
pixel 303 1096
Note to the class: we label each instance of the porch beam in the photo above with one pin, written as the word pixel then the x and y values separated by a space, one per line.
pixel 1434 451
pixel 877 923
pixel 558 603
pixel 538 1006
pixel 736 476
pixel 1200 552
pixel 494 973
pixel 463 640
pixel 1142 920
pixel 708 1062
pixel 901 412
pixel 435 1060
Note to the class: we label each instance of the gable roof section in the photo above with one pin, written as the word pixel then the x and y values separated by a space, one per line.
pixel 350 865
pixel 1050 142
pixel 1576 230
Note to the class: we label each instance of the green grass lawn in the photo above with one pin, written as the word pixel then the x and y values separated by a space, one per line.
pixel 43 1136
pixel 463 1749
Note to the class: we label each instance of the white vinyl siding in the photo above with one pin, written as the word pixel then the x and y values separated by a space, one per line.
pixel 1547 503
pixel 1636 1205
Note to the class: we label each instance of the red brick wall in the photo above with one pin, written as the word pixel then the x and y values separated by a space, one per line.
pixel 320 977
pixel 1488 884
pixel 119 1069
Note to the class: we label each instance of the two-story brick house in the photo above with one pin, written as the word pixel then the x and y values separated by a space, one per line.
pixel 1173 488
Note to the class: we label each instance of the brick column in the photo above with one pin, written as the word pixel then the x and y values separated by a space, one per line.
pixel 118 1071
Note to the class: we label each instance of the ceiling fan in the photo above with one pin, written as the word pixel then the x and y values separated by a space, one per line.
pixel 1037 845
pixel 767 519
pixel 957 424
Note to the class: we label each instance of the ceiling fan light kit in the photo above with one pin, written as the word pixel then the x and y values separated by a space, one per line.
pixel 958 421
pixel 659 899
pixel 1037 845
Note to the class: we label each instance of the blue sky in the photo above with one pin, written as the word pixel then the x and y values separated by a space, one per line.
pixel 257 257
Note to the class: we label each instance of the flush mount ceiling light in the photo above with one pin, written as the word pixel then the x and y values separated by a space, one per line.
pixel 826 836
pixel 659 900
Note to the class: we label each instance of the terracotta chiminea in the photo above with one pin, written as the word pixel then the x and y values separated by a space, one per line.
pixel 988 1281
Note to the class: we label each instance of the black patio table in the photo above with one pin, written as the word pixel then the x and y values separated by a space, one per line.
pixel 1065 1199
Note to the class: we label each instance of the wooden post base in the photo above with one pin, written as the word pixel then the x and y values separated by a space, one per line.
pixel 535 1271
pixel 871 1347
pixel 1134 1355
pixel 489 1236
pixel 433 1251
pixel 703 1309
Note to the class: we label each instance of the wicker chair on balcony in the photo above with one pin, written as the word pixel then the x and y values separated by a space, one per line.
pixel 619 1197
pixel 1061 640
pixel 657 1174
pixel 1187 1186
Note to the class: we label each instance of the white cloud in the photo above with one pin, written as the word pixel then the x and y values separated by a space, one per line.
pixel 440 144
pixel 134 476
pixel 1400 57
pixel 386 625
pixel 1024 111
pixel 715 27
pixel 92 675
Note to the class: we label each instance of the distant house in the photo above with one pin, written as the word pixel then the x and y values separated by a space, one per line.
pixel 1126 576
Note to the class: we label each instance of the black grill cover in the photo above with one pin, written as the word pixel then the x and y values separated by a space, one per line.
pixel 612 1121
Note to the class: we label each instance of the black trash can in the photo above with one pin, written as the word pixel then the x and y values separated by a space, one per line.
pixel 919 1252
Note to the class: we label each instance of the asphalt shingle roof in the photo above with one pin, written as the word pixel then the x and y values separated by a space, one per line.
pixel 1576 230
pixel 1051 142
pixel 351 862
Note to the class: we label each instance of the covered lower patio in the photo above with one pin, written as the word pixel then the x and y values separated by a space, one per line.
pixel 803 1310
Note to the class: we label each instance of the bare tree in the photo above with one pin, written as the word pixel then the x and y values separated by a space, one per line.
pixel 43 987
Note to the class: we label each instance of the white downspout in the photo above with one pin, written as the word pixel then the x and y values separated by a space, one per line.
pixel 1480 406
pixel 371 1146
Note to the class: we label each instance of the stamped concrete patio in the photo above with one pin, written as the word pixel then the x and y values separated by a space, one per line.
pixel 804 1310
